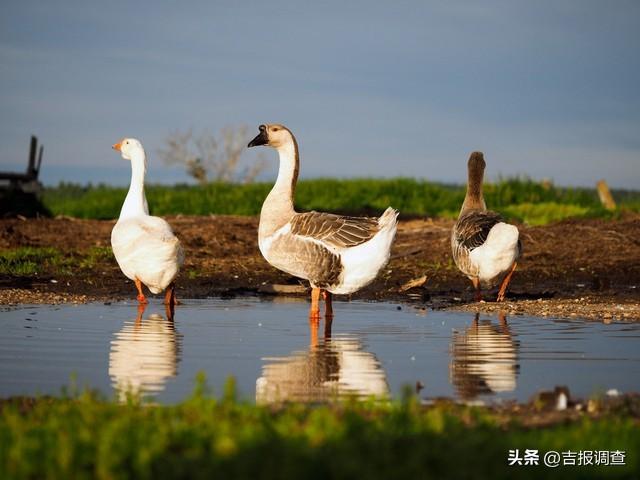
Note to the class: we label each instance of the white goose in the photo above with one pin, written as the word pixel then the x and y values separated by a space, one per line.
pixel 145 247
pixel 484 247
pixel 144 355
pixel 337 254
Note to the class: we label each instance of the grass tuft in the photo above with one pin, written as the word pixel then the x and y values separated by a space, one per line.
pixel 28 260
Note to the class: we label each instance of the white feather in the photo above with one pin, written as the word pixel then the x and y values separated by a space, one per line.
pixel 497 254
pixel 146 248
pixel 361 264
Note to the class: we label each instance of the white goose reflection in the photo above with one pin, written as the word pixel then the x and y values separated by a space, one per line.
pixel 144 355
pixel 484 359
pixel 328 369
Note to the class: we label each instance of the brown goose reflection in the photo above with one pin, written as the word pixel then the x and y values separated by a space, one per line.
pixel 144 354
pixel 484 359
pixel 330 368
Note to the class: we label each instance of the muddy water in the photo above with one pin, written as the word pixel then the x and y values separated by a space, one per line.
pixel 269 347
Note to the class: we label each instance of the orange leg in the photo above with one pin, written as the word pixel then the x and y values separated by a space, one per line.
pixel 314 323
pixel 328 307
pixel 170 295
pixel 476 285
pixel 314 312
pixel 141 297
pixel 505 283
pixel 138 323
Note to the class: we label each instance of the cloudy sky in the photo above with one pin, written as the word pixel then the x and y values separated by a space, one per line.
pixel 548 89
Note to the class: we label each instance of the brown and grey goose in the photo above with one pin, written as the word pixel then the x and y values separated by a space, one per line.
pixel 485 248
pixel 337 254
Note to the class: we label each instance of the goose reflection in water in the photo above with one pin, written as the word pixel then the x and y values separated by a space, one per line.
pixel 330 368
pixel 144 354
pixel 484 359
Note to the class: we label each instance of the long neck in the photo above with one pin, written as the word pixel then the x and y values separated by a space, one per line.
pixel 277 208
pixel 136 203
pixel 474 200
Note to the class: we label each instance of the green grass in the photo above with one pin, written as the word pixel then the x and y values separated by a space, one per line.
pixel 25 261
pixel 85 436
pixel 29 260
pixel 95 256
pixel 518 199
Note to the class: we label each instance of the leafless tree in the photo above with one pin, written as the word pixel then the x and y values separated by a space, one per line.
pixel 208 158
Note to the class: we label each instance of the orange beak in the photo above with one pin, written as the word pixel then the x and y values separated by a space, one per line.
pixel 117 146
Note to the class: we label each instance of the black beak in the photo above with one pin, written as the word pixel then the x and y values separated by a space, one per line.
pixel 261 139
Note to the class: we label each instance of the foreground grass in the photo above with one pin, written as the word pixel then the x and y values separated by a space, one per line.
pixel 518 199
pixel 86 437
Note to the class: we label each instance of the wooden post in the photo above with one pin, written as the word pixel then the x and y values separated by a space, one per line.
pixel 39 160
pixel 605 195
pixel 31 169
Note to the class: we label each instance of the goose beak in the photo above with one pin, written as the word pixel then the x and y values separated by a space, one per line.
pixel 117 146
pixel 261 139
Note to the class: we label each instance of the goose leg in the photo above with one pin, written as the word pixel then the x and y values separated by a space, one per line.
pixel 169 312
pixel 314 324
pixel 505 283
pixel 141 298
pixel 328 321
pixel 170 295
pixel 504 326
pixel 314 312
pixel 328 307
pixel 476 285
pixel 138 323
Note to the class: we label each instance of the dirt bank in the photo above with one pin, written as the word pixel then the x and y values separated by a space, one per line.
pixel 583 268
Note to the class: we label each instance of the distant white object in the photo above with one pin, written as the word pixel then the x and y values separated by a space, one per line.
pixel 562 401
pixel 613 392
pixel 145 247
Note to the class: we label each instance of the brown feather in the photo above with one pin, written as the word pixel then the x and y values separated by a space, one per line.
pixel 335 230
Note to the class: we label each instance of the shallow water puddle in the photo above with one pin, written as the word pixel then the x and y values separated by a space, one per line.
pixel 269 347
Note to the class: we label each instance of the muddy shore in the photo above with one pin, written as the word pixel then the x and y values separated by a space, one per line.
pixel 575 268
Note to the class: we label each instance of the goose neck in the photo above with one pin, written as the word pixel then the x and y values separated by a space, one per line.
pixel 474 199
pixel 136 203
pixel 278 206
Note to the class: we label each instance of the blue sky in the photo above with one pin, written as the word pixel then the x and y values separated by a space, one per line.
pixel 548 89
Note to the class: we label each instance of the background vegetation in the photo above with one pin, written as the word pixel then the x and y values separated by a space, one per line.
pixel 203 437
pixel 207 157
pixel 518 199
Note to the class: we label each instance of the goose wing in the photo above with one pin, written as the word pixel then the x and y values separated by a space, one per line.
pixel 472 229
pixel 337 231
pixel 156 227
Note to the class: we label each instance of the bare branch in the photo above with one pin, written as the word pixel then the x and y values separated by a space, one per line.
pixel 207 158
